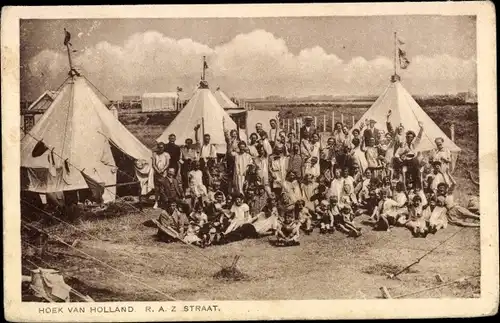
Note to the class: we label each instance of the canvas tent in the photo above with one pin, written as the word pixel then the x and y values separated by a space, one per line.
pixel 78 132
pixel 223 100
pixel 406 111
pixel 204 110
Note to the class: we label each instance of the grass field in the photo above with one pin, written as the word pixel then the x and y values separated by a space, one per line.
pixel 322 267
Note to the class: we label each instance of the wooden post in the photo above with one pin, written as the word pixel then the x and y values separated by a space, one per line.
pixel 288 125
pixel 353 121
pixel 452 132
pixel 385 292
pixel 324 123
pixel 333 121
pixel 342 118
pixel 315 122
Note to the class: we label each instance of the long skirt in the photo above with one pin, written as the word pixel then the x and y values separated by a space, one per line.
pixel 458 214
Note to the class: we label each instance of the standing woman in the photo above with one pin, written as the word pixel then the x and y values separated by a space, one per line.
pixel 241 161
pixel 441 154
pixel 262 163
pixel 232 141
pixel 340 142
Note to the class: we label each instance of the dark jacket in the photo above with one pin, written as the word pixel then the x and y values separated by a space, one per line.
pixel 171 189
pixel 303 130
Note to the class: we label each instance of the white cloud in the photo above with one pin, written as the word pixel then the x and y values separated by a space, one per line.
pixel 255 64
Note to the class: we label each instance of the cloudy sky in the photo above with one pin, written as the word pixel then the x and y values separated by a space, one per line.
pixel 252 57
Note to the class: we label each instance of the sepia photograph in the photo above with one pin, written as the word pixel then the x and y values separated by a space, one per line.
pixel 261 158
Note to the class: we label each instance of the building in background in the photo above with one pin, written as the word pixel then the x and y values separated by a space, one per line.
pixel 33 113
pixel 155 102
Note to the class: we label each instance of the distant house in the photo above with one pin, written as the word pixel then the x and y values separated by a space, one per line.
pixel 155 102
pixel 33 113
pixel 131 99
pixel 471 97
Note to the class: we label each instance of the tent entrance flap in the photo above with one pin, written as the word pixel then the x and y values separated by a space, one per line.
pixel 125 173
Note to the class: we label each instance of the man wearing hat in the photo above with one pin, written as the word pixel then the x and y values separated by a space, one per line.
pixel 308 127
pixel 371 131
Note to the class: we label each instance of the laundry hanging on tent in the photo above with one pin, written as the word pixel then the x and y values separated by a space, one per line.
pixel 52 164
pixel 145 175
pixel 96 188
pixel 40 149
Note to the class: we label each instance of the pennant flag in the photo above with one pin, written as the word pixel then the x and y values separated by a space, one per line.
pixel 400 41
pixel 403 60
pixel 96 188
pixel 205 65
pixel 179 89
pixel 67 37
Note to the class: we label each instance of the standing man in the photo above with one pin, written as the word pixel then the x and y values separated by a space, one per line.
pixel 371 132
pixel 189 153
pixel 208 155
pixel 308 128
pixel 161 160
pixel 408 155
pixel 175 153
pixel 273 132
pixel 258 129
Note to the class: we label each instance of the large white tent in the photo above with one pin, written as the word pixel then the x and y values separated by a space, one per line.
pixel 204 110
pixel 406 111
pixel 76 133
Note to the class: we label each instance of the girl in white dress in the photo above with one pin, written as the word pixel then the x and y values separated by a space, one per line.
pixel 195 177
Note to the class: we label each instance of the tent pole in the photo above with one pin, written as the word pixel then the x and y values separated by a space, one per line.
pixel 202 127
pixel 395 54
pixel 333 121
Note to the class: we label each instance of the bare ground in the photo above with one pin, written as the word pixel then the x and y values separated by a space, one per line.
pixel 322 267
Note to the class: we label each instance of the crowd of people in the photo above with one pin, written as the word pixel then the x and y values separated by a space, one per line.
pixel 288 183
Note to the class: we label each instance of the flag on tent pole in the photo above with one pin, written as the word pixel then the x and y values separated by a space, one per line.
pixel 179 89
pixel 403 59
pixel 67 37
pixel 205 65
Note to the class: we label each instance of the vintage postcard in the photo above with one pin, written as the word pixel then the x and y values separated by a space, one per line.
pixel 245 162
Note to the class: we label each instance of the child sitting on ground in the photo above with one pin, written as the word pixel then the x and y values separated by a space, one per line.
pixel 343 222
pixel 191 236
pixel 325 217
pixel 383 215
pixel 288 231
pixel 303 216
pixel 416 222
pixel 437 214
